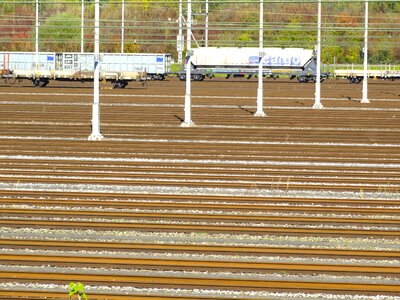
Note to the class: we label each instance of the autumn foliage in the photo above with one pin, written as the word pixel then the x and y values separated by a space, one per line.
pixel 151 26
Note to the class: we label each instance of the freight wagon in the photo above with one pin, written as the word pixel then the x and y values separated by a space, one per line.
pixel 119 69
pixel 357 76
pixel 243 62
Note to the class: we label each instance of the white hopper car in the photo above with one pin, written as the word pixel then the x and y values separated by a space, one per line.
pixel 243 62
pixel 119 69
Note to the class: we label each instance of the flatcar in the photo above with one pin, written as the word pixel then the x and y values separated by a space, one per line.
pixel 357 75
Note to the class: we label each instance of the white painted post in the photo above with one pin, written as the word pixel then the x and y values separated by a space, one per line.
pixel 260 90
pixel 317 103
pixel 96 135
pixel 188 96
pixel 179 39
pixel 82 25
pixel 37 35
pixel 365 80
pixel 206 37
pixel 122 26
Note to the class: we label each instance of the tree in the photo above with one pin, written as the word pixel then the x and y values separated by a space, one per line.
pixel 385 7
pixel 60 32
pixel 150 26
pixel 352 54
pixel 332 54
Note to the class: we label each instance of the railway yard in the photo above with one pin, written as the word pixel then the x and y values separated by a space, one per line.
pixel 301 204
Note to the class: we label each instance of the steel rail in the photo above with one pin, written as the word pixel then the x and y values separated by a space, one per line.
pixel 138 177
pixel 163 170
pixel 133 169
pixel 196 264
pixel 295 131
pixel 260 250
pixel 167 137
pixel 211 184
pixel 8 213
pixel 195 228
pixel 199 282
pixel 243 199
pixel 258 165
pixel 16 294
pixel 269 205
pixel 157 200
pixel 374 208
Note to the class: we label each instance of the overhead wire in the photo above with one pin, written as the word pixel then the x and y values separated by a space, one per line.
pixel 143 31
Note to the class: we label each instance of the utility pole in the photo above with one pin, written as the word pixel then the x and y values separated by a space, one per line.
pixel 260 90
pixel 96 135
pixel 188 97
pixel 365 80
pixel 317 103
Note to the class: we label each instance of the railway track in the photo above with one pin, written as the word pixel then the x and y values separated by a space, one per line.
pixel 200 264
pixel 308 172
pixel 197 249
pixel 204 283
pixel 248 274
pixel 210 220
pixel 302 204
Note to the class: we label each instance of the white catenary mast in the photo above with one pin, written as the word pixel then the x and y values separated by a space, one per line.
pixel 188 97
pixel 82 25
pixel 37 36
pixel 96 135
pixel 365 81
pixel 260 90
pixel 317 103
pixel 122 26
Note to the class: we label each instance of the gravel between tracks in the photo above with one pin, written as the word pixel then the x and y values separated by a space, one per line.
pixel 347 151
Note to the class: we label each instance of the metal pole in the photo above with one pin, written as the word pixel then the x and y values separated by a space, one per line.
pixel 317 103
pixel 37 35
pixel 365 80
pixel 82 25
pixel 188 97
pixel 206 37
pixel 260 90
pixel 123 26
pixel 96 135
pixel 179 39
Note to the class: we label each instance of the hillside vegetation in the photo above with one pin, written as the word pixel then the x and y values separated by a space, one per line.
pixel 151 26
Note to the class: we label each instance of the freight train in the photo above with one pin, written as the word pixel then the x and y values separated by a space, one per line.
pixel 119 69
pixel 244 62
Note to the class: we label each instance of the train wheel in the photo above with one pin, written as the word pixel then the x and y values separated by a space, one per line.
pixel 302 79
pixel 43 82
pixel 40 82
pixel 198 77
pixel 35 82
pixel 119 84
